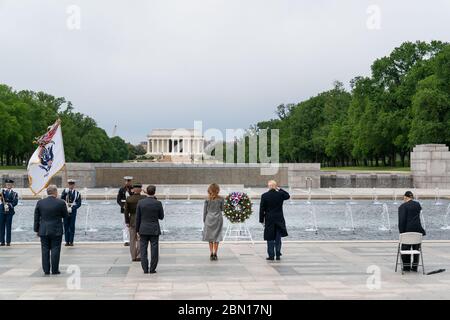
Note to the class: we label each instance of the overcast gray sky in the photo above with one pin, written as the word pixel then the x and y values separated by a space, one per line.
pixel 165 63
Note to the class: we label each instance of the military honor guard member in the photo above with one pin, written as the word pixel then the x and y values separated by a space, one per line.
pixel 124 193
pixel 130 220
pixel 8 200
pixel 73 201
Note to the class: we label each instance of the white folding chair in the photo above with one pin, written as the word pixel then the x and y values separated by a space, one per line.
pixel 410 239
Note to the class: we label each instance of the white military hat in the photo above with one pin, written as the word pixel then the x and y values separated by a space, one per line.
pixel 128 178
pixel 71 181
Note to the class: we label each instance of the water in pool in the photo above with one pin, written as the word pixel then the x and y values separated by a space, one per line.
pixel 320 220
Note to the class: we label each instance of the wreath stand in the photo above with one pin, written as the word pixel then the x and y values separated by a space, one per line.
pixel 237 232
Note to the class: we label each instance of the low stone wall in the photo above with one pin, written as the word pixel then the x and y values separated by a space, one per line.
pixel 365 180
pixel 247 175
pixel 94 175
pixel 20 178
pixel 430 166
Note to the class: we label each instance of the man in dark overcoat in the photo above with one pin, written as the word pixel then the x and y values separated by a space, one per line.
pixel 271 216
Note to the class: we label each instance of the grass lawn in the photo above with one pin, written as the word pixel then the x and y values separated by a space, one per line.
pixel 12 168
pixel 402 169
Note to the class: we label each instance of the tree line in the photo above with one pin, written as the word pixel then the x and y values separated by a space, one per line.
pixel 25 115
pixel 404 102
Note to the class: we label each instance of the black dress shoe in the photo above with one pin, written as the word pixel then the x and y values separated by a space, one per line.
pixel 211 257
pixel 67 244
pixel 278 258
pixel 8 244
pixel 71 244
pixel 46 273
pixel 215 257
pixel 55 273
pixel 154 271
pixel 145 271
pixel 126 244
pixel 270 258
pixel 2 244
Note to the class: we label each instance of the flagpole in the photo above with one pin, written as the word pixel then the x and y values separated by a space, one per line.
pixel 65 175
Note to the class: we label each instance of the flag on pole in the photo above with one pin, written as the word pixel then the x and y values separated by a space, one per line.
pixel 47 160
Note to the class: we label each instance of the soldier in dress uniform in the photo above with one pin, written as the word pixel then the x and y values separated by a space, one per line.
pixel 73 200
pixel 124 193
pixel 9 200
pixel 130 220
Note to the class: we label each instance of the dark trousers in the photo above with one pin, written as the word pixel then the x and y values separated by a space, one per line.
pixel 5 227
pixel 406 258
pixel 274 246
pixel 51 249
pixel 154 251
pixel 69 227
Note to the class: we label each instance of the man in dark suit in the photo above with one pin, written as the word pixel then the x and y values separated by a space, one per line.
pixel 148 213
pixel 73 201
pixel 48 224
pixel 271 216
pixel 409 221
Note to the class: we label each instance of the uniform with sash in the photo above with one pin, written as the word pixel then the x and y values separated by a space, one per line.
pixel 8 200
pixel 73 200
pixel 122 196
pixel 130 219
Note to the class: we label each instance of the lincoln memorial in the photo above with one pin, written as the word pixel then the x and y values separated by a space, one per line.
pixel 175 144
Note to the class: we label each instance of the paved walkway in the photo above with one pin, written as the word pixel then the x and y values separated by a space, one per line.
pixel 308 270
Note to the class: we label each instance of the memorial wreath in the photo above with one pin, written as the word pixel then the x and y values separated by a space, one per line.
pixel 237 207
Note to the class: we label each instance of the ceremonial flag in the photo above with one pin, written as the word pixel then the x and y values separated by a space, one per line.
pixel 47 160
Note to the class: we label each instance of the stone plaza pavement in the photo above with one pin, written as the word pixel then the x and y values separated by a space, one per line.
pixel 308 270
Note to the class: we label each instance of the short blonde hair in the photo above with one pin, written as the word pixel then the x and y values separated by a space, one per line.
pixel 272 183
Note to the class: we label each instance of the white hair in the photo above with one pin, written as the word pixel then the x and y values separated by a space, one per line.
pixel 52 189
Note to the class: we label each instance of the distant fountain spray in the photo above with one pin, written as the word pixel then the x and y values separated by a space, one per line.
pixel 164 230
pixel 394 197
pixel 446 219
pixel 19 199
pixel 312 223
pixel 437 197
pixel 331 196
pixel 375 197
pixel 106 201
pixel 309 196
pixel 385 219
pixel 188 191
pixel 291 199
pixel 19 223
pixel 87 227
pixel 351 202
pixel 422 220
pixel 348 222
pixel 84 196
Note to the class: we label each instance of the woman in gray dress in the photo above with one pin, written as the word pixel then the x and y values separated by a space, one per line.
pixel 213 220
